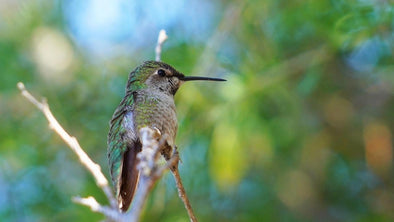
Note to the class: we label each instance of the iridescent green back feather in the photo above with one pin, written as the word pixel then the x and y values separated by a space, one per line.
pixel 117 146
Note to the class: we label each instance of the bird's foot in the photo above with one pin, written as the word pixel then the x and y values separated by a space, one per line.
pixel 173 161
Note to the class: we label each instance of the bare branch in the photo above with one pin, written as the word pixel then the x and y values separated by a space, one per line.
pixel 72 143
pixel 182 194
pixel 96 207
pixel 160 40
pixel 150 172
pixel 149 169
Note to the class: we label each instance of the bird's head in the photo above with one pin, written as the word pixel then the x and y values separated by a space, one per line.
pixel 160 76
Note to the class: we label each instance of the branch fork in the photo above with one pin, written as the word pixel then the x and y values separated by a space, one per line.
pixel 149 167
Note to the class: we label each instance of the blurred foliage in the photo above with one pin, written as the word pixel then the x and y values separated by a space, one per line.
pixel 301 131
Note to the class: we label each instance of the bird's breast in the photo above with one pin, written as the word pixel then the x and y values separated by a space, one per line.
pixel 156 110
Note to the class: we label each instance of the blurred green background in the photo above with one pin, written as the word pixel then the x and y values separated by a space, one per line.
pixel 301 131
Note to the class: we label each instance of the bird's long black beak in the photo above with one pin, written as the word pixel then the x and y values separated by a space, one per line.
pixel 193 78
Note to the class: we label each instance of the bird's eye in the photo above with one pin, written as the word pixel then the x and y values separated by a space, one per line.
pixel 161 72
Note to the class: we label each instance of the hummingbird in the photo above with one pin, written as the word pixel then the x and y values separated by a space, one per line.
pixel 149 102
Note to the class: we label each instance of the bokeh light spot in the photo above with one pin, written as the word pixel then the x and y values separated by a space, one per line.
pixel 296 190
pixel 378 148
pixel 53 54
pixel 227 160
pixel 338 111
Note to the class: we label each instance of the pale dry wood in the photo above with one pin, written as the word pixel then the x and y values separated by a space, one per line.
pixel 92 203
pixel 150 169
pixel 160 40
pixel 149 166
pixel 72 143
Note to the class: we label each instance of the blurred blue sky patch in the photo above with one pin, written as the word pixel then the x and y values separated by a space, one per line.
pixel 365 57
pixel 107 27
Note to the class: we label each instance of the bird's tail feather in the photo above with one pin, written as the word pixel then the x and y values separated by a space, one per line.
pixel 129 177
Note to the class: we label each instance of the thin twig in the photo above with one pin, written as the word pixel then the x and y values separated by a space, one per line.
pixel 173 162
pixel 160 40
pixel 96 207
pixel 72 143
pixel 182 194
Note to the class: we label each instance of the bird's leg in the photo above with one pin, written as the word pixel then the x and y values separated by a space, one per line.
pixel 174 159
pixel 171 155
pixel 167 151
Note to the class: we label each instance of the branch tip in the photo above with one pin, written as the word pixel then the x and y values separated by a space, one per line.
pixel 160 40
pixel 162 36
pixel 72 143
pixel 21 86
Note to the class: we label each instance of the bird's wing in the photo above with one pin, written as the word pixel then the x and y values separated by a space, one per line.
pixel 123 147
